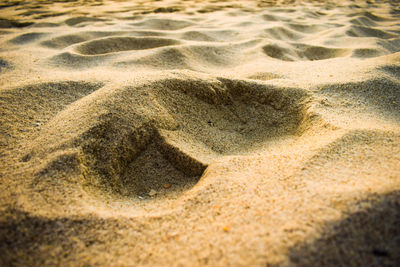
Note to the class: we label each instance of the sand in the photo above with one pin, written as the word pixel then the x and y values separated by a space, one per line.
pixel 191 133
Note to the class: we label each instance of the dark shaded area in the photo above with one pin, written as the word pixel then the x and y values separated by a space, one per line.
pixel 67 163
pixel 118 44
pixel 3 64
pixel 28 240
pixel 27 38
pixel 163 10
pixel 6 23
pixel 370 237
pixel 78 20
pixel 9 4
pixel 392 70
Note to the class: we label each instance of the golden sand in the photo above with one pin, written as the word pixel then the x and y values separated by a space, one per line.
pixel 189 133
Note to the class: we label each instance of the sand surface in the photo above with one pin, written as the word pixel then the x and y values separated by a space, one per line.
pixel 188 133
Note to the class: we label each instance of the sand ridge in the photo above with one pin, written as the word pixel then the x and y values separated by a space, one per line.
pixel 199 133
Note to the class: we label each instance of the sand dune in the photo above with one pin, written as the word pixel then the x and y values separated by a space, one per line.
pixel 262 133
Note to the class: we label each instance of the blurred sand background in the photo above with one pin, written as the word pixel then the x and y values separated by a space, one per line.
pixel 189 133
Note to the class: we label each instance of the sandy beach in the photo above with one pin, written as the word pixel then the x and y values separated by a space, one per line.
pixel 199 133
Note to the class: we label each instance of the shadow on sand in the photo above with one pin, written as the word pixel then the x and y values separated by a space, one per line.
pixel 369 237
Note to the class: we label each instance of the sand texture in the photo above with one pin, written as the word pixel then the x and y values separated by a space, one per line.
pixel 192 133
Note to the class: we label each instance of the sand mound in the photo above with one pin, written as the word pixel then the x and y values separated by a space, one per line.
pixel 27 38
pixel 199 133
pixel 117 44
pixel 63 41
pixel 78 20
pixel 163 129
pixel 162 24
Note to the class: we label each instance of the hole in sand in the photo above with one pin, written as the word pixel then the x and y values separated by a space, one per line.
pixel 195 122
